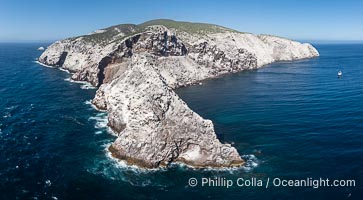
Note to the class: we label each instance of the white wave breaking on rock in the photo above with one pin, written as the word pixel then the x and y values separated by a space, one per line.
pixel 137 76
pixel 251 162
pixel 84 84
pixel 42 64
pixel 64 70
pixel 100 120
pixel 89 102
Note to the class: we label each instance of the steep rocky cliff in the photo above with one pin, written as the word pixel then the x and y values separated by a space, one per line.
pixel 136 68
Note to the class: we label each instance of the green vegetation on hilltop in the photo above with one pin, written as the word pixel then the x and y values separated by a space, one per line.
pixel 189 27
pixel 110 34
pixel 120 32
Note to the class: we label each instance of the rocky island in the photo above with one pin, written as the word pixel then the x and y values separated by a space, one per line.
pixel 136 69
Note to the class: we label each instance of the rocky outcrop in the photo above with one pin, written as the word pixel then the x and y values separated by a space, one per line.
pixel 137 69
pixel 155 126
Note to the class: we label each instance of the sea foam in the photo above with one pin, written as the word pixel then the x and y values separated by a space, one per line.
pixel 251 162
pixel 100 120
pixel 89 102
pixel 42 64
pixel 84 84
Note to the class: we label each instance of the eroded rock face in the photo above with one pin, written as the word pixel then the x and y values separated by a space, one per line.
pixel 213 57
pixel 136 77
pixel 155 126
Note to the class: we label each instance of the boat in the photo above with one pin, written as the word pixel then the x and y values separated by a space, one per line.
pixel 41 49
pixel 340 73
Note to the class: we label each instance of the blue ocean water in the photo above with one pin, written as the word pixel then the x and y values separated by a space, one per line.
pixel 291 120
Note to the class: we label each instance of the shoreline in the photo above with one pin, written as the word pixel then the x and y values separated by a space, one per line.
pixel 142 164
pixel 137 82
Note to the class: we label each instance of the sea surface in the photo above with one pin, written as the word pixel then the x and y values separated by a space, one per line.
pixel 289 120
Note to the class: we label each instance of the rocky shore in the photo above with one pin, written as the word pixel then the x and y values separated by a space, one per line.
pixel 137 68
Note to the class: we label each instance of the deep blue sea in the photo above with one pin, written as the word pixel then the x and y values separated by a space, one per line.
pixel 289 120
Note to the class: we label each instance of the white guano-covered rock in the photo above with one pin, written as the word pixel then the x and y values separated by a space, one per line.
pixel 137 67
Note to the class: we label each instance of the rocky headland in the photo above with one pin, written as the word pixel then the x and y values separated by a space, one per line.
pixel 136 69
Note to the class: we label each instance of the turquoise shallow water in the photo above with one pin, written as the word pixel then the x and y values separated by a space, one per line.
pixel 291 120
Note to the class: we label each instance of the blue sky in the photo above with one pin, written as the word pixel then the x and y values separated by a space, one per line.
pixel 38 20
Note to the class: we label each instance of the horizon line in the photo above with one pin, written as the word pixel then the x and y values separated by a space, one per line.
pixel 299 40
